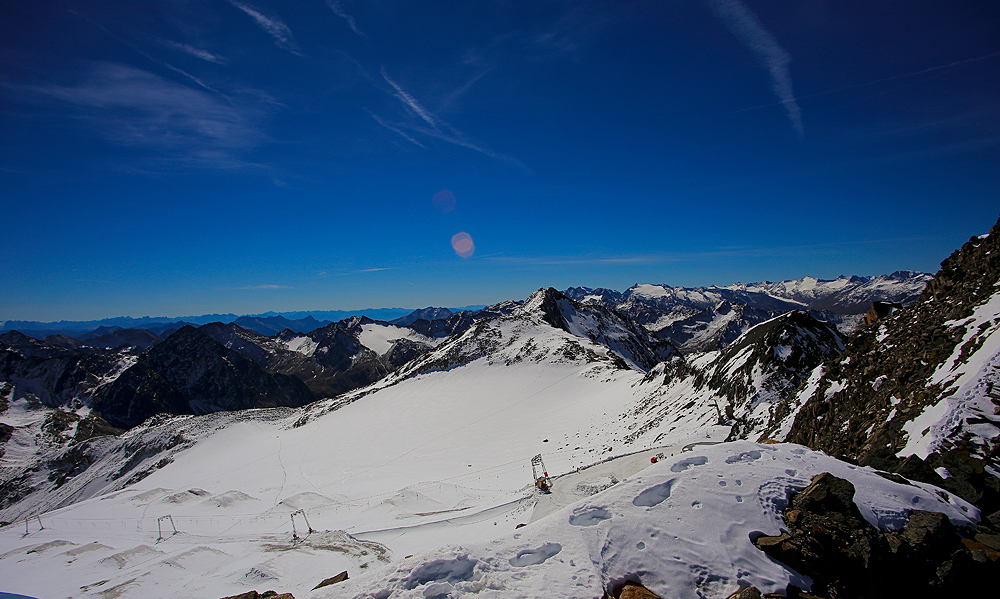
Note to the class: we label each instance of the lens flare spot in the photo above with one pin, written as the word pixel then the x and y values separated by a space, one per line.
pixel 444 201
pixel 462 244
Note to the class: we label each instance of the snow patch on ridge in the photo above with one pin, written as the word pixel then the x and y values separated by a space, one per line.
pixel 303 345
pixel 379 337
pixel 967 378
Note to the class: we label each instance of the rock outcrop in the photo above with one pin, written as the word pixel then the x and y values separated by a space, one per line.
pixel 191 373
pixel 828 540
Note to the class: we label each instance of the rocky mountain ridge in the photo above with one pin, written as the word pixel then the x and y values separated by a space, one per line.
pixel 332 359
pixel 917 392
pixel 750 386
pixel 843 295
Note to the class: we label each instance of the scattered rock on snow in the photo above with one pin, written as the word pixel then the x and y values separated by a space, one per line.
pixel 829 541
pixel 264 595
pixel 634 590
pixel 332 580
pixel 746 593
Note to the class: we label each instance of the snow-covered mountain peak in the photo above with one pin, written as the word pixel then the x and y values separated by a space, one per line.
pixel 845 294
pixel 600 324
pixel 549 328
pixel 544 304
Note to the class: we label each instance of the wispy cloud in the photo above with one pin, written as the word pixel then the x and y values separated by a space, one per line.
pixel 459 139
pixel 196 52
pixel 438 129
pixel 262 287
pixel 136 108
pixel 382 122
pixel 145 54
pixel 273 26
pixel 745 24
pixel 410 102
pixel 453 96
pixel 933 71
pixel 338 9
pixel 705 255
pixel 580 261
pixel 342 273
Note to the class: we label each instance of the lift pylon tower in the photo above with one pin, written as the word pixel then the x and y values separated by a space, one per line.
pixel 159 528
pixel 543 482
pixel 295 533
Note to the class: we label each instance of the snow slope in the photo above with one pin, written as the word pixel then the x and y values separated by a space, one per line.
pixel 681 527
pixel 415 485
pixel 415 461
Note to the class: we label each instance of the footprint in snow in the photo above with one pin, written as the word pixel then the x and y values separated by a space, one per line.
pixel 441 570
pixel 532 557
pixel 589 517
pixel 688 462
pixel 654 495
pixel 746 456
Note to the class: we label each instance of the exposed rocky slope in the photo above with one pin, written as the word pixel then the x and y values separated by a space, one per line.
pixel 429 313
pixel 710 329
pixel 191 373
pixel 709 318
pixel 751 385
pixel 524 333
pixel 918 392
pixel 334 359
pixel 52 374
pixel 763 369
pixel 266 351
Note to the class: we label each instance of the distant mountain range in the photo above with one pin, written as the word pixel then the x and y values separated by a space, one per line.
pixel 843 296
pixel 130 374
pixel 267 323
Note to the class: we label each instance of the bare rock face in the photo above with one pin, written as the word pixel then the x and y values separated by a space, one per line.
pixel 191 373
pixel 746 593
pixel 631 590
pixel 829 541
pixel 53 374
pixel 637 591
pixel 766 366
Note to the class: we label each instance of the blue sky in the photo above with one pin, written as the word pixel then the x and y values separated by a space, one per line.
pixel 176 157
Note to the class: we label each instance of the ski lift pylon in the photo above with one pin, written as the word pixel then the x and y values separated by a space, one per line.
pixel 543 482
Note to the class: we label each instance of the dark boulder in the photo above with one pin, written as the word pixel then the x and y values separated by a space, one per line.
pixel 829 541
